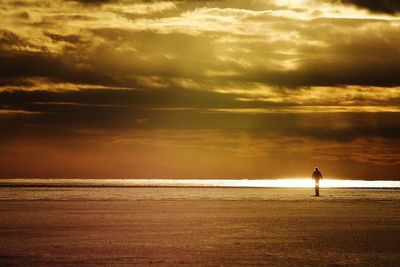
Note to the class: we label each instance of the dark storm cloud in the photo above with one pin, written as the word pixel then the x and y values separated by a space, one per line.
pixel 323 54
pixel 171 109
pixel 382 6
pixel 354 59
pixel 39 64
pixel 71 38
pixel 171 98
pixel 20 58
pixel 321 74
pixel 11 41
pixel 69 111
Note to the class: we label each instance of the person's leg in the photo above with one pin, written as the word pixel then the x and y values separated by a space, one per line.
pixel 317 188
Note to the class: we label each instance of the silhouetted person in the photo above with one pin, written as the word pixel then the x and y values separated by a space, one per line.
pixel 317 175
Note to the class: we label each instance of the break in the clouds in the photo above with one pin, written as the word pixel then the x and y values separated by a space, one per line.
pixel 199 88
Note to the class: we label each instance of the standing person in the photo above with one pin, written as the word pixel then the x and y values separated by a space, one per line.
pixel 316 176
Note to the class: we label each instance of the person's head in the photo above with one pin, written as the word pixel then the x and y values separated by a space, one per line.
pixel 316 168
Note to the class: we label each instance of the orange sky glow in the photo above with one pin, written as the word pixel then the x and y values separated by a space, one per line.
pixel 253 89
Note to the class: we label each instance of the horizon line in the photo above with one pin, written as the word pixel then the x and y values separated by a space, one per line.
pixel 199 183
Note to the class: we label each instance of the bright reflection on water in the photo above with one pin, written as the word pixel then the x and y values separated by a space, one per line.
pixel 285 183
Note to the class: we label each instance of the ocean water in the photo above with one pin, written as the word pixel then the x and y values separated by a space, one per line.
pixel 212 189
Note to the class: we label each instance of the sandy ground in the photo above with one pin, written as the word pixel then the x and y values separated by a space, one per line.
pixel 304 231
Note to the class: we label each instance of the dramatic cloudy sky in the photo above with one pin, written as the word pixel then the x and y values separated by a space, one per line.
pixel 200 89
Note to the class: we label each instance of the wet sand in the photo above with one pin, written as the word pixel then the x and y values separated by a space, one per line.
pixel 303 231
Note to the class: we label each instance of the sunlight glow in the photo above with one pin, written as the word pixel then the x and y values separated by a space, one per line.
pixel 276 183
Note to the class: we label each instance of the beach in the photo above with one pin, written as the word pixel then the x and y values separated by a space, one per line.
pixel 198 226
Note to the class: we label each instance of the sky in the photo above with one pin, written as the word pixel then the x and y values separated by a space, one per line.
pixel 252 89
